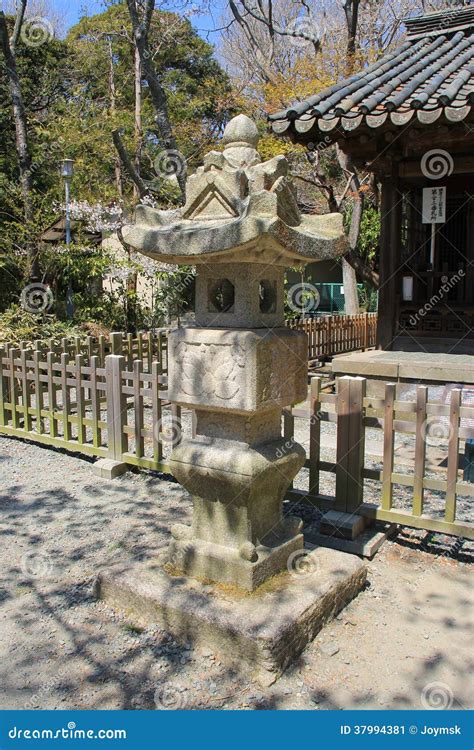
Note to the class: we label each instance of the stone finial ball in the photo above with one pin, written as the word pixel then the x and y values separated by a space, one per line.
pixel 241 130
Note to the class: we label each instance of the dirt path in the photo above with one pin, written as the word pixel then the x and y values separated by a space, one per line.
pixel 403 643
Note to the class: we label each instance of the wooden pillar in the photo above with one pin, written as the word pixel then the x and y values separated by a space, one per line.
pixel 390 260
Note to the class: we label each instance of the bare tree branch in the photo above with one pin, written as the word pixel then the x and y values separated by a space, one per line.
pixel 18 25
pixel 157 93
pixel 267 20
pixel 264 62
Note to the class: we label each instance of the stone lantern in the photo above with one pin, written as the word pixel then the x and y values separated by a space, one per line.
pixel 239 366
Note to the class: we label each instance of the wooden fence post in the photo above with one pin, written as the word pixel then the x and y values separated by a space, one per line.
pixel 80 398
pixel 116 342
pixel 356 452
pixel 13 355
pixel 388 446
pixel 342 441
pixel 117 441
pixel 25 390
pixel 39 391
pixel 138 407
pixel 52 402
pixel 420 449
pixel 116 406
pixel 65 397
pixel 95 402
pixel 344 521
pixel 101 345
pixel 314 436
pixel 3 390
pixel 453 455
pixel 156 373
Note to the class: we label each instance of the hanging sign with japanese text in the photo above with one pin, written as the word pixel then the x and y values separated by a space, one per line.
pixel 434 205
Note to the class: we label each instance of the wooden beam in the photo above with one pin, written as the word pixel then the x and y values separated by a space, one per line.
pixel 389 260
pixel 463 164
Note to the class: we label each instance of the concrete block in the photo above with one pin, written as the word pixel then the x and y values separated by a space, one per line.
pixel 107 468
pixel 365 545
pixel 342 525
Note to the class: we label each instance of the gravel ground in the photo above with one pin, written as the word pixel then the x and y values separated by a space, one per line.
pixel 403 643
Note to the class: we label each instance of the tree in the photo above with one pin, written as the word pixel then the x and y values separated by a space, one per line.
pixel 32 79
pixel 9 49
pixel 76 92
pixel 109 101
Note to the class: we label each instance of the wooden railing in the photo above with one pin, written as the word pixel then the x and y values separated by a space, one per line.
pixel 119 409
pixel 336 334
pixel 144 345
pixel 425 423
pixel 116 409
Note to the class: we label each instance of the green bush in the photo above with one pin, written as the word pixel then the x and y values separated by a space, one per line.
pixel 16 325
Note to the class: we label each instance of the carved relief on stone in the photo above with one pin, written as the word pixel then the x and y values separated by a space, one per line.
pixel 282 369
pixel 210 371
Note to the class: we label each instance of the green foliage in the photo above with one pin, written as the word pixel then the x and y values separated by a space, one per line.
pixel 101 51
pixel 76 91
pixel 16 325
pixel 368 244
pixel 367 297
pixel 368 247
pixel 11 272
pixel 82 267
pixel 175 294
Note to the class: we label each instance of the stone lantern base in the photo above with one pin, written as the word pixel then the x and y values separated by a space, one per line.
pixel 260 634
pixel 238 533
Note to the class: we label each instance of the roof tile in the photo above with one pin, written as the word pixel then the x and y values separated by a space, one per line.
pixel 434 68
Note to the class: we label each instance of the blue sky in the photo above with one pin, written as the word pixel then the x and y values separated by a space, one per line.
pixel 72 10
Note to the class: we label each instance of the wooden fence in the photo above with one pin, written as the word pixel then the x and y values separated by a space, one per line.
pixel 119 409
pixel 337 334
pixel 144 345
pixel 327 335
pixel 423 422
pixel 115 410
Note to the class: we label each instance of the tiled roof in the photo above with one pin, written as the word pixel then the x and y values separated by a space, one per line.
pixel 431 75
pixel 56 232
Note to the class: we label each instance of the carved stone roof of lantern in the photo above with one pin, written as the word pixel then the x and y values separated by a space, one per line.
pixel 238 209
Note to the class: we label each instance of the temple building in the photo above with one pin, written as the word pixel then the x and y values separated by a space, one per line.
pixel 408 119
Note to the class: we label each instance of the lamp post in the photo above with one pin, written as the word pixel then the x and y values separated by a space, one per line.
pixel 67 171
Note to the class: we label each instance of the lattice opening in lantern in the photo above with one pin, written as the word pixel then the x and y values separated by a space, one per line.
pixel 221 296
pixel 268 296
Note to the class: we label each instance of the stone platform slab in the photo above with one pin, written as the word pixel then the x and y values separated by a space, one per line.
pixel 406 366
pixel 263 631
